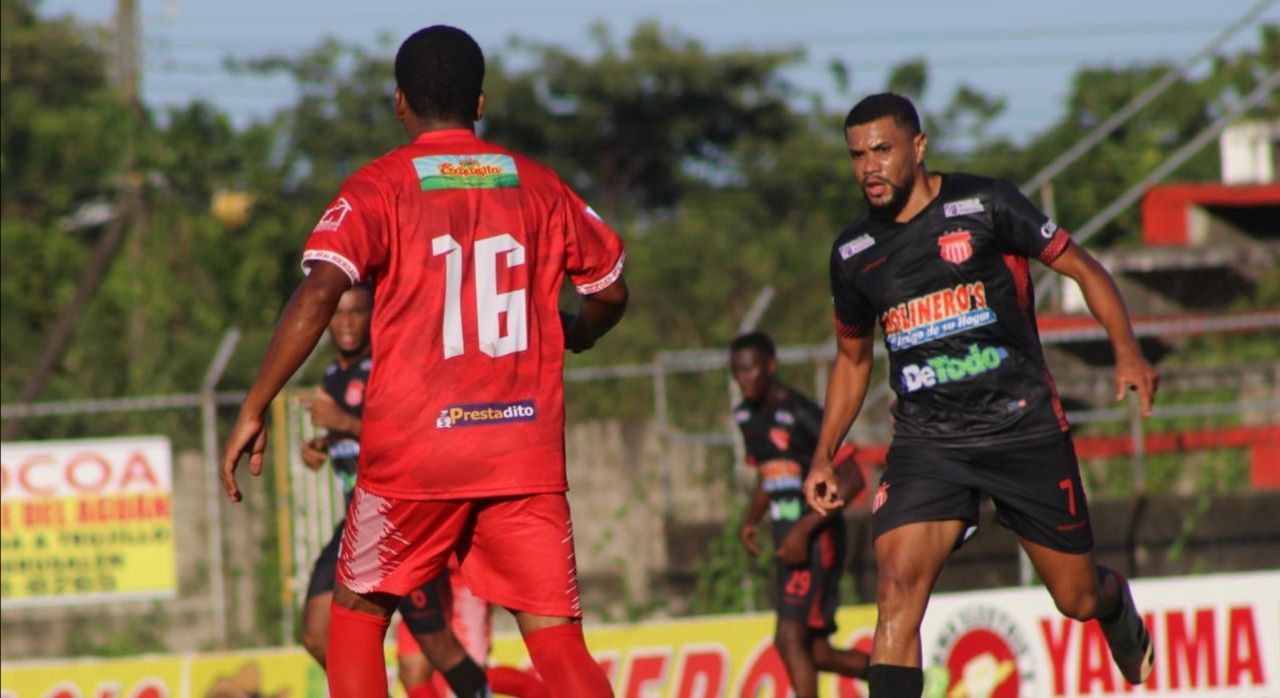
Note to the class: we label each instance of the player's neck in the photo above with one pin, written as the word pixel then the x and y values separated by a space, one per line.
pixel 420 126
pixel 924 191
pixel 347 360
pixel 773 396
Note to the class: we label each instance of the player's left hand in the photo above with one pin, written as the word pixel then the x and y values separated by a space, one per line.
pixel 1134 373
pixel 822 489
pixel 248 437
pixel 325 413
pixel 794 549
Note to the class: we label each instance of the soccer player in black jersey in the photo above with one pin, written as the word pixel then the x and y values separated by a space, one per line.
pixel 941 262
pixel 780 428
pixel 337 408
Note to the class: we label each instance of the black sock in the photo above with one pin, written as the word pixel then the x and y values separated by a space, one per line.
pixel 891 681
pixel 1118 609
pixel 467 679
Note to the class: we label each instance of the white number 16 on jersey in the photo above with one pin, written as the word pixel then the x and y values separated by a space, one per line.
pixel 490 304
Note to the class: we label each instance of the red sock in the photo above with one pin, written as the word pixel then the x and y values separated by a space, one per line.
pixel 356 666
pixel 423 690
pixel 560 656
pixel 508 681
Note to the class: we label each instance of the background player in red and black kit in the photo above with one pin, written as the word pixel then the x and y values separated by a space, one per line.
pixel 462 444
pixel 942 263
pixel 780 428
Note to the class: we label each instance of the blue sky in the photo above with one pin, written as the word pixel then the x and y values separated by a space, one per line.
pixel 1022 50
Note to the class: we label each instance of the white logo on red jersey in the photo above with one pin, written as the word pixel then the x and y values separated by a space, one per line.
pixel 333 216
pixel 956 246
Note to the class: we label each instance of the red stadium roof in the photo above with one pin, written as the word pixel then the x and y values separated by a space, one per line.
pixel 1165 219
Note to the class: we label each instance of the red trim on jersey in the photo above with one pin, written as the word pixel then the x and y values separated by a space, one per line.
pixel 848 331
pixel 333 258
pixel 606 281
pixel 1017 265
pixel 1056 247
pixel 1055 401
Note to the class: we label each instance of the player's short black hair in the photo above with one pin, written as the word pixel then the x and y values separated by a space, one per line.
pixel 884 104
pixel 440 71
pixel 755 340
pixel 364 285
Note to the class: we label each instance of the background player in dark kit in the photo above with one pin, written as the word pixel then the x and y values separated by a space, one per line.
pixel 780 427
pixel 942 263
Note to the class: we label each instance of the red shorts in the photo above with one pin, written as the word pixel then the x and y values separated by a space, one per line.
pixel 468 617
pixel 516 552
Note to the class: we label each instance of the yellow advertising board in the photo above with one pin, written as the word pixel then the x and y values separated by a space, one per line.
pixel 86 520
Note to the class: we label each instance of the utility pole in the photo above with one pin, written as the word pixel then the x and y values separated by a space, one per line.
pixel 128 63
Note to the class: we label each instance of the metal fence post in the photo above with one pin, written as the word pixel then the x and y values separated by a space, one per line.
pixel 209 422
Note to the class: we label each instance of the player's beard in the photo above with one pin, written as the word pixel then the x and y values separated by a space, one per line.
pixel 901 191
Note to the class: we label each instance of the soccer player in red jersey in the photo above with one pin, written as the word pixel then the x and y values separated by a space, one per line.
pixel 462 447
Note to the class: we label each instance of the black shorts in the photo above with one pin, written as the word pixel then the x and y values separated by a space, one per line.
pixel 1035 485
pixel 810 593
pixel 424 610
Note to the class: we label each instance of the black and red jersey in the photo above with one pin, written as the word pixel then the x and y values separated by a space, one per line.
pixel 780 442
pixel 347 388
pixel 952 292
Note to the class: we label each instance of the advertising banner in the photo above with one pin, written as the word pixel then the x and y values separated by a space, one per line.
pixel 1215 636
pixel 87 520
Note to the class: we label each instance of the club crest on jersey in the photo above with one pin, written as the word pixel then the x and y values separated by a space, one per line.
pixel 964 207
pixel 780 438
pixel 483 414
pixel 333 216
pixel 855 246
pixel 483 171
pixel 355 393
pixel 956 246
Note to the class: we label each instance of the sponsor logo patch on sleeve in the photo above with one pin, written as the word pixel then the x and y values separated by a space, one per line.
pixel 1048 229
pixel 855 246
pixel 963 207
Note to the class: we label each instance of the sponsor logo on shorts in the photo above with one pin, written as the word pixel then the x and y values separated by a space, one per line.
pixel 936 315
pixel 486 413
pixel 941 370
pixel 488 171
pixel 1048 229
pixel 956 246
pixel 986 653
pixel 333 216
pixel 856 245
pixel 964 207
pixel 882 496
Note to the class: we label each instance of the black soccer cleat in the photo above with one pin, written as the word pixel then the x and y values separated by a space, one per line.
pixel 1127 636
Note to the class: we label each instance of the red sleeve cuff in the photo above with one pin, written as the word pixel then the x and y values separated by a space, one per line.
pixel 848 331
pixel 1056 247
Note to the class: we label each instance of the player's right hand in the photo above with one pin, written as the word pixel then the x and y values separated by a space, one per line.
pixel 747 534
pixel 822 488
pixel 248 437
pixel 315 453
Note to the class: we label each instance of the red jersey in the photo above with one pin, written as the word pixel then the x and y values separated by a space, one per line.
pixel 467 245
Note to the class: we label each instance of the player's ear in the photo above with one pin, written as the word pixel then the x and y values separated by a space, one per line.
pixel 480 105
pixel 921 143
pixel 401 106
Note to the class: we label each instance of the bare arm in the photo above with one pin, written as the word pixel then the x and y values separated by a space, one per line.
pixel 1104 301
pixel 755 511
pixel 600 312
pixel 301 324
pixel 850 377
